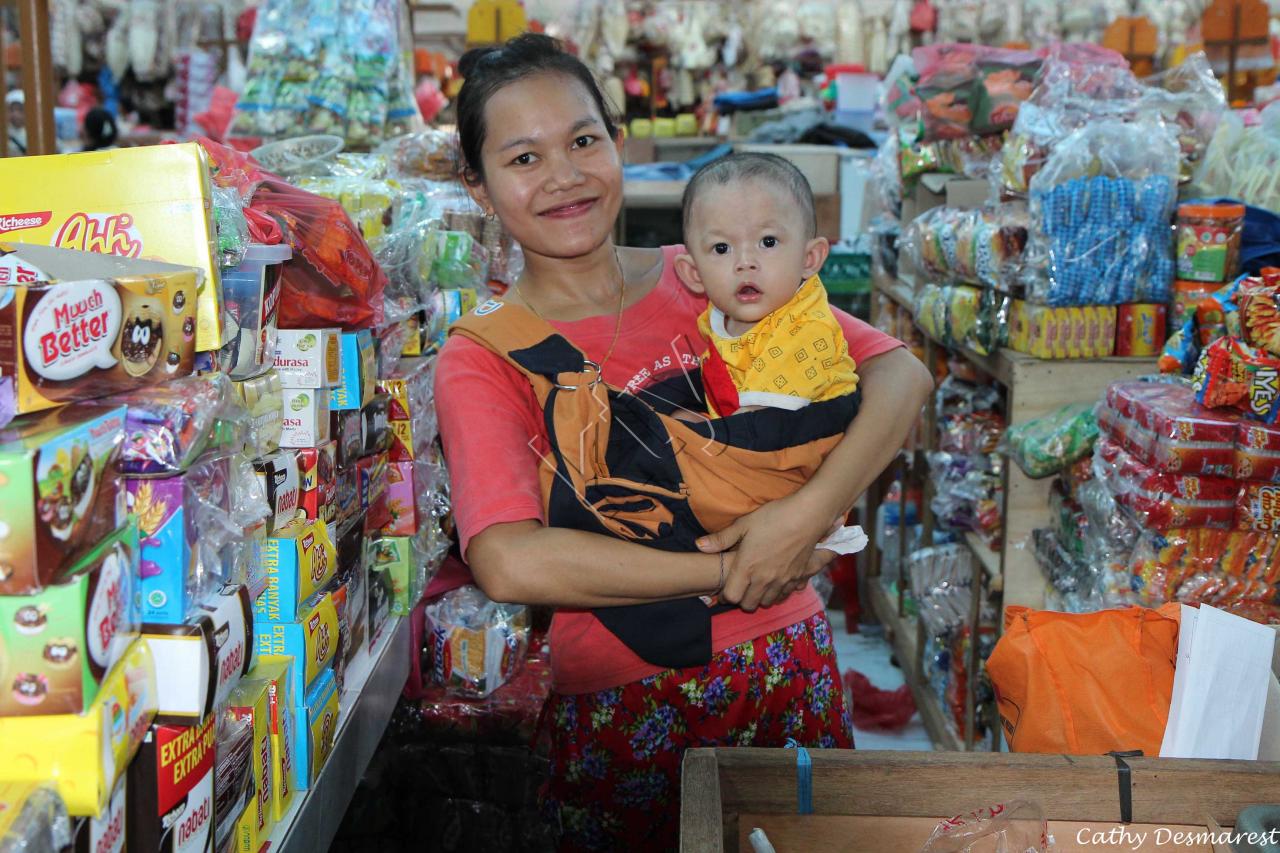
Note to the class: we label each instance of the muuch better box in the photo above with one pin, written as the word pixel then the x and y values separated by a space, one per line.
pixel 75 325
pixel 152 202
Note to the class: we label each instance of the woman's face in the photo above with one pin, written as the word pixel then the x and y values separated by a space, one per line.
pixel 551 172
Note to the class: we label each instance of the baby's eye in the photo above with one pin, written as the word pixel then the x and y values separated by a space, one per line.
pixel 769 242
pixel 720 248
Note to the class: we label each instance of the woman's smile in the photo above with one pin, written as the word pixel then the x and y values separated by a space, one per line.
pixel 570 209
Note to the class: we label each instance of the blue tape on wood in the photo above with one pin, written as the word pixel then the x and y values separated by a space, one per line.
pixel 804 778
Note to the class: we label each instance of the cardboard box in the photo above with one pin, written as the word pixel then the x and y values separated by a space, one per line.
pixel 168 510
pixel 409 387
pixel 345 431
pixel 278 671
pixel 396 559
pixel 282 483
pixel 170 800
pixel 372 471
pixel 75 326
pixel 60 491
pixel 318 468
pixel 308 358
pixel 299 561
pixel 358 365
pixel 251 700
pixel 57 646
pixel 312 642
pixel 316 725
pixel 84 754
pixel 251 292
pixel 305 417
pixel 263 396
pixel 375 426
pixel 201 661
pixel 409 487
pixel 150 202
pixel 106 832
pixel 1062 332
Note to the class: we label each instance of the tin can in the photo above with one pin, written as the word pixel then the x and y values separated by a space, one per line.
pixel 1140 330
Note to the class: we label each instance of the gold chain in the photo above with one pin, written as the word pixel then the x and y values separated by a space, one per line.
pixel 622 301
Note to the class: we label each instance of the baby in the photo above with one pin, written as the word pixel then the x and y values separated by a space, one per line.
pixel 752 248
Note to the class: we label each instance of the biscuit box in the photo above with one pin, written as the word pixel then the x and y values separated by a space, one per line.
pixel 170 800
pixel 304 417
pixel 318 467
pixel 251 292
pixel 278 473
pixel 233 784
pixel 308 358
pixel 74 325
pixel 263 396
pixel 106 832
pixel 203 659
pixel 250 700
pixel 84 754
pixel 277 671
pixel 299 561
pixel 60 491
pixel 372 471
pixel 312 642
pixel 355 388
pixel 170 511
pixel 149 202
pixel 381 596
pixel 409 486
pixel 57 646
pixel 345 431
pixel 316 726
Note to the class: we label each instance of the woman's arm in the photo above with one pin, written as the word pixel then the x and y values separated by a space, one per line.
pixel 775 544
pixel 526 563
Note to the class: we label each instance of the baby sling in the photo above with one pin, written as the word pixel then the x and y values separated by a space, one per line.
pixel 622 465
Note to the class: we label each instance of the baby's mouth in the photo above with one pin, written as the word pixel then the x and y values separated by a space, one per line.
pixel 748 293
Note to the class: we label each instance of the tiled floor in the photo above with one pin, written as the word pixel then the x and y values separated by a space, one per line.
pixel 870 655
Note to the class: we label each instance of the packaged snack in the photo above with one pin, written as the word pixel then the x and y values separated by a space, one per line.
pixel 312 642
pixel 409 387
pixel 316 725
pixel 1259 305
pixel 1161 500
pixel 1232 374
pixel 381 594
pixel 1163 426
pixel 299 561
pixel 263 396
pixel 282 484
pixel 85 753
pixel 1140 330
pixel 278 672
pixel 170 798
pixel 408 497
pixel 318 467
pixel 169 425
pixel 476 645
pixel 1187 295
pixel 60 489
pixel 233 776
pixel 60 644
pixel 1075 332
pixel 395 561
pixel 250 701
pixel 1258 507
pixel 372 473
pixel 98 202
pixel 968 90
pixel 1257 452
pixel 32 818
pixel 352 596
pixel 348 496
pixel 1046 445
pixel 251 291
pixel 375 426
pixel 973 246
pixel 356 386
pixel 308 358
pixel 106 831
pixel 203 659
pixel 346 432
pixel 1209 241
pixel 305 420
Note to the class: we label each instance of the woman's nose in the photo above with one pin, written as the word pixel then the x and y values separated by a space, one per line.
pixel 564 173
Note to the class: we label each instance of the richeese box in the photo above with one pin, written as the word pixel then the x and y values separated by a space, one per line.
pixel 149 202
pixel 316 725
pixel 311 642
pixel 299 561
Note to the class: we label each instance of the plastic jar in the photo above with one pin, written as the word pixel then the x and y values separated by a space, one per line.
pixel 250 294
pixel 1209 241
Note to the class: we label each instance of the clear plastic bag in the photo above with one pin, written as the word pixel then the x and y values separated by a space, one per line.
pixel 969 246
pixel 1243 162
pixel 169 425
pixel 232 228
pixel 968 89
pixel 39 820
pixel 233 779
pixel 476 645
pixel 1044 446
pixel 1016 827
pixel 431 153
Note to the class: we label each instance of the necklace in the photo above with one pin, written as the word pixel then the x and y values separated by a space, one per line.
pixel 622 301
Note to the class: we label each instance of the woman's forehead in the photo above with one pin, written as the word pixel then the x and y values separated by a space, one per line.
pixel 543 105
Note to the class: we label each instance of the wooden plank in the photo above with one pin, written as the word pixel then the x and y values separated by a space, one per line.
pixel 1041 386
pixel 867 834
pixel 987 558
pixel 925 784
pixel 701 827
pixel 37 77
pixel 1026 507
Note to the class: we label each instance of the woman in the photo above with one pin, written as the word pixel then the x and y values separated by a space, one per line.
pixel 542 153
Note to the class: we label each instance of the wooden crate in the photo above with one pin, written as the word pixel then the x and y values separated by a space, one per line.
pixel 882 801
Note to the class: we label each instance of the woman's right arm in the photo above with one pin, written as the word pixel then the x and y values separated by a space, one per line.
pixel 488 417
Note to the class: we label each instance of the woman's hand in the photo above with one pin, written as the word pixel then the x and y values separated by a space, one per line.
pixel 772 551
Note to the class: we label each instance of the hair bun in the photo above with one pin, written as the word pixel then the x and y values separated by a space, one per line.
pixel 472 58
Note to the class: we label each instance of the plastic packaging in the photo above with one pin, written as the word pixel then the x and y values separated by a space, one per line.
pixel 968 89
pixel 169 425
pixel 941 583
pixel 1160 500
pixel 33 819
pixel 1232 374
pixel 233 781
pixel 1018 827
pixel 233 230
pixel 430 154
pixel 1044 446
pixel 1258 300
pixel 250 292
pixel 476 644
pixel 1162 425
pixel 969 246
pixel 1209 241
pixel 964 316
pixel 1244 162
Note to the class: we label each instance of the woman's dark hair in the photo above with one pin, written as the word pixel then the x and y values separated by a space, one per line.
pixel 99 129
pixel 486 70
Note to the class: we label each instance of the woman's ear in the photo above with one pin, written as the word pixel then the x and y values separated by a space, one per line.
pixel 815 255
pixel 687 272
pixel 620 143
pixel 476 189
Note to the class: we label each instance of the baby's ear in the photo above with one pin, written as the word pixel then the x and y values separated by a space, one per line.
pixel 687 271
pixel 815 255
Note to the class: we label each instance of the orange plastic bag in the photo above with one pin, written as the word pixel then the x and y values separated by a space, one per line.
pixel 1085 683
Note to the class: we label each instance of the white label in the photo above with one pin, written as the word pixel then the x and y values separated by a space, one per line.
pixel 107 610
pixel 14 270
pixel 72 329
pixel 106 833
pixel 190 834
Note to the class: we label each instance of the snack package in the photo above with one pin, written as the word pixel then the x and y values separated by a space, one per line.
pixel 430 154
pixel 251 291
pixel 1232 374
pixel 58 646
pixel 969 246
pixel 300 560
pixel 281 484
pixel 1077 332
pixel 1044 446
pixel 315 727
pixel 1162 425
pixel 476 645
pixel 1160 500
pixel 169 425
pixel 372 474
pixel 409 486
pixel 263 397
pixel 105 831
pixel 32 818
pixel 311 642
pixel 304 418
pixel 318 468
pixel 1257 452
pixel 968 89
pixel 1258 300
pixel 233 776
pixel 355 387
pixel 171 784
pixel 80 325
pixel 250 703
pixel 309 358
pixel 1018 825
pixel 1140 330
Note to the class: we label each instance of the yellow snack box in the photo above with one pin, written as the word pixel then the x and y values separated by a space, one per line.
pixel 1020 322
pixel 1077 343
pixel 84 754
pixel 251 700
pixel 153 202
pixel 276 670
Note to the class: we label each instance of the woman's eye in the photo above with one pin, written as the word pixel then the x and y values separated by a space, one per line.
pixel 720 248
pixel 523 160
pixel 583 141
pixel 769 242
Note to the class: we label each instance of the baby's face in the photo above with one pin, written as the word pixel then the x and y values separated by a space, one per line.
pixel 748 241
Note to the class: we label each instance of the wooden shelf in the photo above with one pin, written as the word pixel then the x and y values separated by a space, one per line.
pixel 905 634
pixel 989 558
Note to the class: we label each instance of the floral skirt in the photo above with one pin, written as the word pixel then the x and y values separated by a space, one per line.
pixel 616 754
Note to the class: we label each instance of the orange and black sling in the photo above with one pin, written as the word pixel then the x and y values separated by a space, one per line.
pixel 621 464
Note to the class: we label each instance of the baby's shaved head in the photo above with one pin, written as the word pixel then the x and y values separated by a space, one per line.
pixel 751 166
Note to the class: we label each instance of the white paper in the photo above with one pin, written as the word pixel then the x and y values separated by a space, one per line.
pixel 849 539
pixel 1219 687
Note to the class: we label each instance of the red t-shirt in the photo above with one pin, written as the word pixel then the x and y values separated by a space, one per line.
pixel 489 415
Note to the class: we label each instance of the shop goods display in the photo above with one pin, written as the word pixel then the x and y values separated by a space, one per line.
pixel 33 818
pixel 1044 446
pixel 960 315
pixel 1208 246
pixel 251 291
pixel 171 789
pixel 1088 331
pixel 476 644
pixel 969 246
pixel 966 470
